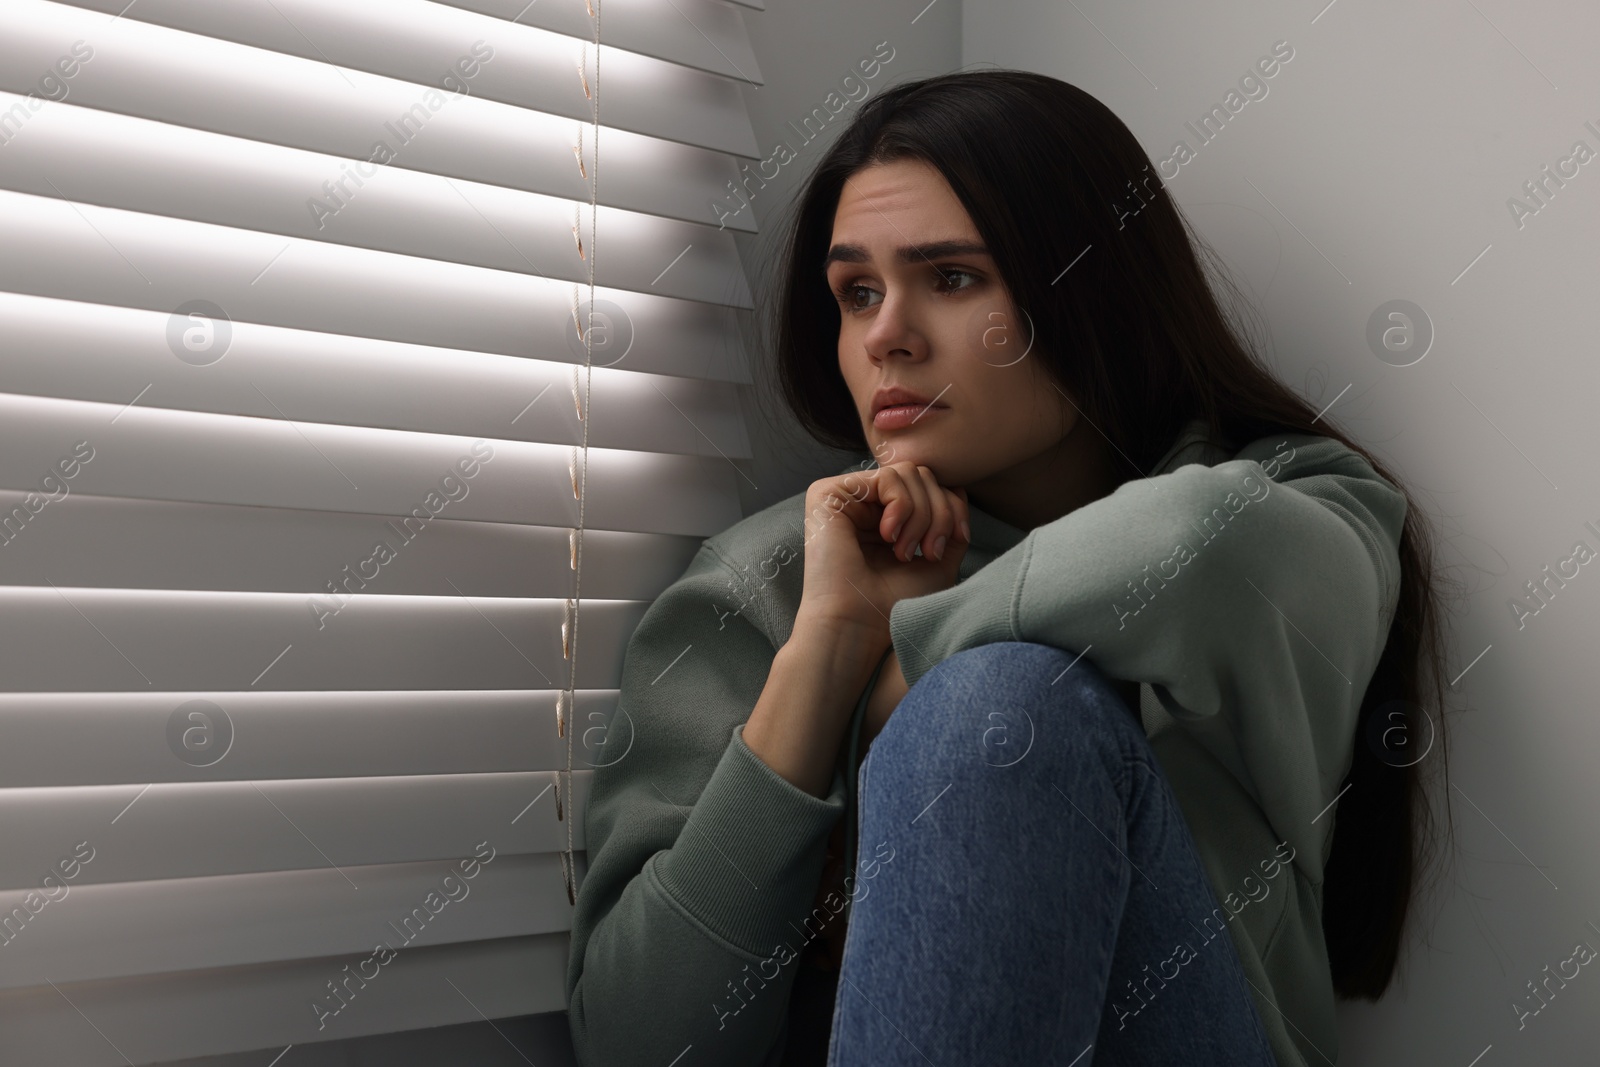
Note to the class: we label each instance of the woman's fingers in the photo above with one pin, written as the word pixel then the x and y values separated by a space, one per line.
pixel 893 494
pixel 941 524
pixel 962 512
pixel 852 497
pixel 884 490
pixel 906 504
pixel 921 514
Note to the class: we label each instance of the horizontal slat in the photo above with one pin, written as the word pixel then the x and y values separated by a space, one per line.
pixel 412 41
pixel 155 453
pixel 124 640
pixel 237 1009
pixel 54 248
pixel 183 176
pixel 130 928
pixel 119 543
pixel 708 35
pixel 139 738
pixel 95 352
pixel 470 138
pixel 331 825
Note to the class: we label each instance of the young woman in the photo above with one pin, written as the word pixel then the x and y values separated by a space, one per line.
pixel 1095 653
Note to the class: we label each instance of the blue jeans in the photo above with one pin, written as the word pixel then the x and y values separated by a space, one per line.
pixel 1024 872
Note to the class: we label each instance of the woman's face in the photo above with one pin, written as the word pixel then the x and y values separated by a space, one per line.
pixel 922 308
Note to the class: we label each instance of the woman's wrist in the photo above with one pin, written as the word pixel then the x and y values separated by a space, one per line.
pixel 805 706
pixel 845 650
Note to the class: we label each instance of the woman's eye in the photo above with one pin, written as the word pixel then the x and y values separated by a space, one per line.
pixel 958 274
pixel 846 294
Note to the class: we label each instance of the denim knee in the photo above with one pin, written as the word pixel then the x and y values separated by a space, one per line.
pixel 990 704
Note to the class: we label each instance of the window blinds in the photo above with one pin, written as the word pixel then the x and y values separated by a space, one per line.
pixel 323 524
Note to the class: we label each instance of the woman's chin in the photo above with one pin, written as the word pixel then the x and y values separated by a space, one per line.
pixel 899 449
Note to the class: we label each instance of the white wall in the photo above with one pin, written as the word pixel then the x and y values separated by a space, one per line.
pixel 1377 167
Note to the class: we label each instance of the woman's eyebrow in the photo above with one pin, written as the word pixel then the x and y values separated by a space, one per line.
pixel 848 253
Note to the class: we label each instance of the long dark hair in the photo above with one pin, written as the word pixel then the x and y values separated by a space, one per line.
pixel 1046 171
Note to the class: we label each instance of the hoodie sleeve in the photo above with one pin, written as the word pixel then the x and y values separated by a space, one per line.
pixel 1254 596
pixel 702 860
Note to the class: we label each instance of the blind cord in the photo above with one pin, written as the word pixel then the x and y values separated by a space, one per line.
pixel 568 873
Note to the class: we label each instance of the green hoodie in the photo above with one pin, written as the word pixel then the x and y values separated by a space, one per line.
pixel 1249 596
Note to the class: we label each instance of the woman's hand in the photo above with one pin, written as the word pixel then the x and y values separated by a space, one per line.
pixel 862 530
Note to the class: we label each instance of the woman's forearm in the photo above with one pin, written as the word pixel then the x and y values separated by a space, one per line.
pixel 801 716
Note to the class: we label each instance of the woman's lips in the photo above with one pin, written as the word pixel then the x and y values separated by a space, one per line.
pixel 899 416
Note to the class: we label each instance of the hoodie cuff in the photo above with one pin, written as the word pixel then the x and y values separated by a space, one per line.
pixel 749 858
pixel 927 630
